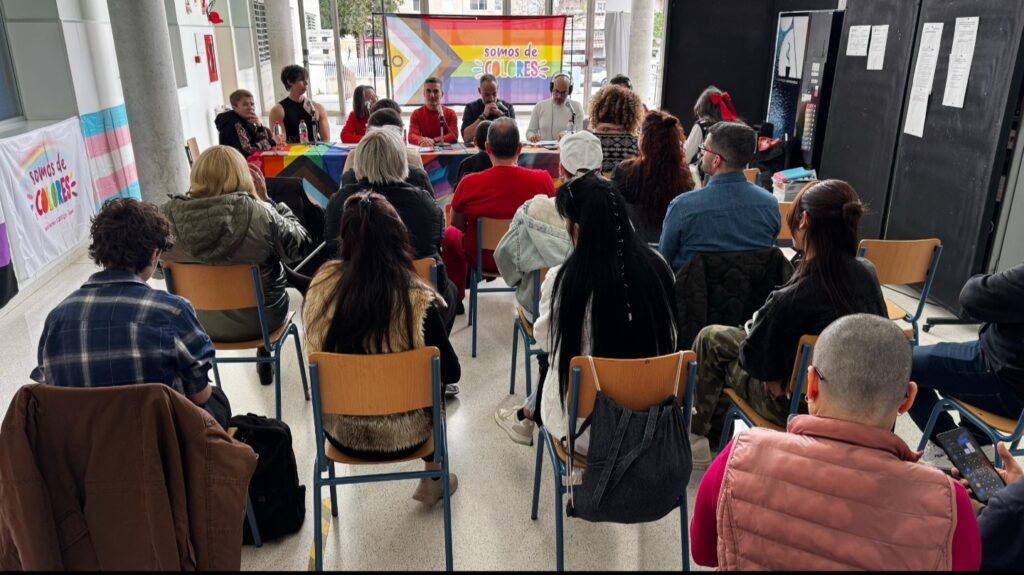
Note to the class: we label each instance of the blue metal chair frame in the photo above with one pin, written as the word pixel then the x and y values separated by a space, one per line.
pixel 273 347
pixel 518 329
pixel 997 436
pixel 323 465
pixel 559 469
pixel 913 318
pixel 735 412
pixel 476 275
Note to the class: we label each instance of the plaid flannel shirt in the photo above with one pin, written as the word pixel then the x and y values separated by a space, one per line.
pixel 116 330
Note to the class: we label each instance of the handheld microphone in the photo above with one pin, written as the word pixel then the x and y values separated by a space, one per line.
pixel 503 109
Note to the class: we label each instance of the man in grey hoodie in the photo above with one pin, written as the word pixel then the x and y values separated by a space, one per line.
pixel 537 240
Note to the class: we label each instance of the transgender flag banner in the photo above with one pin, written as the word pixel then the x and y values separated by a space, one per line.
pixel 523 53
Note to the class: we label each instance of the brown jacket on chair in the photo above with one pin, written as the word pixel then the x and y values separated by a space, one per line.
pixel 118 478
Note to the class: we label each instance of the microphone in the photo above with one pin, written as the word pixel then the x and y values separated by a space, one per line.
pixel 503 109
pixel 441 123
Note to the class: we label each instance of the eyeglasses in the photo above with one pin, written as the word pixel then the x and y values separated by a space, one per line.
pixel 818 371
pixel 706 150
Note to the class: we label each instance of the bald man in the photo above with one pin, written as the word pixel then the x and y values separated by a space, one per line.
pixel 552 118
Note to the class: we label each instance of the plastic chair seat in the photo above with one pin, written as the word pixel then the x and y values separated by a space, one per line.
pixel 525 323
pixel 333 454
pixel 749 411
pixel 275 336
pixel 895 312
pixel 997 422
pixel 577 461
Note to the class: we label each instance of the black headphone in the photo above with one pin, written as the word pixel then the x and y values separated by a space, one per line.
pixel 551 84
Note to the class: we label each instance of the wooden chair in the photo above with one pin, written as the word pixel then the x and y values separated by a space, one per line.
pixel 996 427
pixel 426 268
pixel 900 262
pixel 488 233
pixel 742 410
pixel 370 386
pixel 523 327
pixel 632 383
pixel 191 150
pixel 250 515
pixel 220 288
pixel 751 174
pixel 785 234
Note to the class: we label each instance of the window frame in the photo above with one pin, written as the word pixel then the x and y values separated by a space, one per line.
pixel 19 117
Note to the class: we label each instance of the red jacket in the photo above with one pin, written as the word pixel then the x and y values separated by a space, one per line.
pixel 132 478
pixel 354 129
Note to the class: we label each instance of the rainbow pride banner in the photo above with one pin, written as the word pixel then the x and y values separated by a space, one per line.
pixel 523 53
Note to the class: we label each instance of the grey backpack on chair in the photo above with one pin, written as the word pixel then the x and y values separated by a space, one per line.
pixel 638 463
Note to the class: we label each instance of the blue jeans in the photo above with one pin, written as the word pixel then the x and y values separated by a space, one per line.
pixel 958 370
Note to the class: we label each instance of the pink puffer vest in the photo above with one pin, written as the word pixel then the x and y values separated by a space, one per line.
pixel 832 495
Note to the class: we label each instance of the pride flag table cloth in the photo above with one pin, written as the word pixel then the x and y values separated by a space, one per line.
pixel 320 165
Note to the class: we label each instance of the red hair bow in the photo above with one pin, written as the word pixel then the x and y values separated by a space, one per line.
pixel 724 103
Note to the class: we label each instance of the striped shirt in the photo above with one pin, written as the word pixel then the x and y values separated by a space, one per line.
pixel 116 330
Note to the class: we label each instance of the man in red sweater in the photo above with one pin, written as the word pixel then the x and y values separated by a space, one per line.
pixel 496 192
pixel 839 491
pixel 425 125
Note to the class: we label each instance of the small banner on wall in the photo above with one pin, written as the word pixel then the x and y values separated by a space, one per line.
pixel 47 194
pixel 523 53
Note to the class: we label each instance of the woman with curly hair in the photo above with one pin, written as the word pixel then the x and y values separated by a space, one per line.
pixel 655 176
pixel 615 115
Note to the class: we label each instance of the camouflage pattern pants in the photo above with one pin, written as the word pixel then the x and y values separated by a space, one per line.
pixel 718 367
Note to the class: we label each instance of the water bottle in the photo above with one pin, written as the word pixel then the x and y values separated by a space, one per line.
pixel 303 132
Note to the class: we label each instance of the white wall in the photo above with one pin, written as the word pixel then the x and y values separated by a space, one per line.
pixel 200 100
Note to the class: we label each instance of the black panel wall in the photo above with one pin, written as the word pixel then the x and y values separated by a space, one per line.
pixel 729 43
pixel 866 107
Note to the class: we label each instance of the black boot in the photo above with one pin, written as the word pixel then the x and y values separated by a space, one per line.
pixel 265 370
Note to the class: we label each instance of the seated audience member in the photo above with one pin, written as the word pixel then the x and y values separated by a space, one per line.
pixel 296 107
pixel 387 118
pixel 840 491
pixel 363 99
pixel 829 282
pixel 612 297
pixel 479 161
pixel 370 302
pixel 552 118
pixel 713 106
pixel 987 372
pixel 999 521
pixel 116 330
pixel 226 218
pixel 432 123
pixel 496 192
pixel 729 214
pixel 624 81
pixel 382 162
pixel 240 126
pixel 615 116
pixel 656 176
pixel 487 107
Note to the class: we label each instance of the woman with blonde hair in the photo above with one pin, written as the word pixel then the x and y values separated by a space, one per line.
pixel 615 114
pixel 227 218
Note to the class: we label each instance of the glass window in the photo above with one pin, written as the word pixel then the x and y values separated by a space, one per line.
pixel 10 103
pixel 417 6
pixel 478 4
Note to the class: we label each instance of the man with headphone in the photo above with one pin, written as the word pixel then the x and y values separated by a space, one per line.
pixel 553 117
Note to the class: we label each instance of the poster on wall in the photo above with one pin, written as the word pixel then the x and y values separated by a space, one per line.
pixel 523 53
pixel 47 194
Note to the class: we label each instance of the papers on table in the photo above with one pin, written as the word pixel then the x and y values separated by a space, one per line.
pixel 543 143
pixel 960 60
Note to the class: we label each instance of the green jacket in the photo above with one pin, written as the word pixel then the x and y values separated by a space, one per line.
pixel 238 228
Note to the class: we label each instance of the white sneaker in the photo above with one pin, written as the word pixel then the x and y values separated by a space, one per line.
pixel 700 448
pixel 451 390
pixel 518 430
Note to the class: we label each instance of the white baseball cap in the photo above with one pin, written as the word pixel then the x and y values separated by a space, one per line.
pixel 580 152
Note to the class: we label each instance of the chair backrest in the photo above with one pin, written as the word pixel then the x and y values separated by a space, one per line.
pixel 804 356
pixel 632 383
pixel 900 262
pixel 215 288
pixel 375 385
pixel 426 268
pixel 491 231
pixel 447 215
pixel 784 232
pixel 192 147
pixel 751 174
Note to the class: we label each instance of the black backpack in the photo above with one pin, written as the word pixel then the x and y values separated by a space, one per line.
pixel 278 501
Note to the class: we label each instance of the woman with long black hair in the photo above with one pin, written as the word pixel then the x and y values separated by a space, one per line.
pixel 830 282
pixel 371 301
pixel 613 297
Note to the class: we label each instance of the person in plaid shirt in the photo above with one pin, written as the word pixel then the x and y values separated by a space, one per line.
pixel 116 330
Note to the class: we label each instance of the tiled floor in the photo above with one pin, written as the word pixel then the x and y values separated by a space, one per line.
pixel 380 526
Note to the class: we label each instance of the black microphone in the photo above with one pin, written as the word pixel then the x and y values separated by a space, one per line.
pixel 503 109
pixel 441 122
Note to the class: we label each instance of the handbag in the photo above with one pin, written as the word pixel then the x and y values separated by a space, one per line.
pixel 638 464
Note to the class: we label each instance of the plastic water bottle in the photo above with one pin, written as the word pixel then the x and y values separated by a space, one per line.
pixel 303 132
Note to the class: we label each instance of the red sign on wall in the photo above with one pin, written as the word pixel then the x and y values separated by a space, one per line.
pixel 211 58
